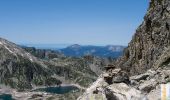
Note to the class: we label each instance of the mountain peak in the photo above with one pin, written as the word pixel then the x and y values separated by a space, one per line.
pixel 74 46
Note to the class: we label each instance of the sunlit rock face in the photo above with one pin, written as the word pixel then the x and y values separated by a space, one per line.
pixel 151 39
pixel 146 86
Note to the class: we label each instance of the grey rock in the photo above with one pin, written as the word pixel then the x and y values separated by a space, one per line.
pixel 150 41
pixel 147 86
pixel 120 77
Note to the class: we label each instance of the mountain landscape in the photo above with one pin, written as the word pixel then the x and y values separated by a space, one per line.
pixel 71 65
pixel 20 70
pixel 135 72
pixel 144 66
pixel 27 68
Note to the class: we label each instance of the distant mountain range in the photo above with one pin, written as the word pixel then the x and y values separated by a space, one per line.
pixel 101 51
pixel 25 67
pixel 46 46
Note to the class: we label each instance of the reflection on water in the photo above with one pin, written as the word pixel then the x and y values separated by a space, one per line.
pixel 6 97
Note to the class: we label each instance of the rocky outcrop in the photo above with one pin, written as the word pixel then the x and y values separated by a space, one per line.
pixel 104 90
pixel 140 87
pixel 151 39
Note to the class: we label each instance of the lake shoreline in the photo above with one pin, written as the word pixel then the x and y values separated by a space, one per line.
pixel 75 85
pixel 30 93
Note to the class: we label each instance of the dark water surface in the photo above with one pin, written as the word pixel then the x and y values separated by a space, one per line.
pixel 58 90
pixel 6 97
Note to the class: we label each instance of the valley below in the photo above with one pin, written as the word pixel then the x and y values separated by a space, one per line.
pixel 30 73
pixel 48 93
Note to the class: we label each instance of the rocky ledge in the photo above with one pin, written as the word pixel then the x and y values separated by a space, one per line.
pixel 115 86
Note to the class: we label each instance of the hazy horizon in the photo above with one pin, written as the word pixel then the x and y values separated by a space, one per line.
pixel 85 22
pixel 59 46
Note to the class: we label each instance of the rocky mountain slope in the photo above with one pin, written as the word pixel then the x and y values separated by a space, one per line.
pixel 82 70
pixel 139 73
pixel 21 70
pixel 100 51
pixel 43 53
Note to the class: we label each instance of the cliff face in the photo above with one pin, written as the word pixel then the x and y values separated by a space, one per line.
pixel 148 54
pixel 150 40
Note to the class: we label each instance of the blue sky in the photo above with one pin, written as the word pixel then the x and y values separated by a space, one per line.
pixel 86 22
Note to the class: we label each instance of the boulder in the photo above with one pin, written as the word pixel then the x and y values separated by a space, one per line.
pixel 120 77
pixel 148 85
pixel 122 91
